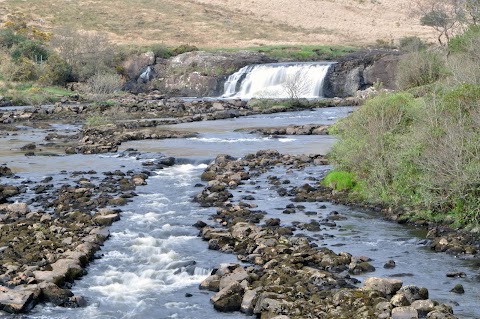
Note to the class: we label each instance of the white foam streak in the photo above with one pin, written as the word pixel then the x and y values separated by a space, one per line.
pixel 227 140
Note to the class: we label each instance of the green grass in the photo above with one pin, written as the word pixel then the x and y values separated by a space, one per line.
pixel 28 93
pixel 340 180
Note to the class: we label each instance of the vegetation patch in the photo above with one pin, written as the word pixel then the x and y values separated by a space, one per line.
pixel 340 180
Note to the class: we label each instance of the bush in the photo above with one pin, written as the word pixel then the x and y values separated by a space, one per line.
pixel 418 152
pixel 87 52
pixel 412 44
pixel 184 48
pixel 21 70
pixel 30 49
pixel 8 38
pixel 340 180
pixel 55 72
pixel 420 68
pixel 161 51
pixel 104 83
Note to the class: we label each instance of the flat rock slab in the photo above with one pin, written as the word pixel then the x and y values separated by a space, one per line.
pixel 14 301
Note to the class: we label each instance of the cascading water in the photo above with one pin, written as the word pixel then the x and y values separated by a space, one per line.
pixel 278 80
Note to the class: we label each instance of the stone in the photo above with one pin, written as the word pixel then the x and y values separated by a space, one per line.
pixel 16 301
pixel 234 277
pixel 384 285
pixel 5 171
pixel 106 220
pixel 248 301
pixel 229 298
pixel 404 313
pixel 54 294
pixel 211 283
pixel 413 293
pixel 399 300
pixel 390 264
pixel 423 307
pixel 458 289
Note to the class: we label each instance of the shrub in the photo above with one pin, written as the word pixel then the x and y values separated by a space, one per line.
pixel 184 48
pixel 21 70
pixel 340 180
pixel 87 52
pixel 420 68
pixel 412 44
pixel 419 152
pixel 104 83
pixel 31 49
pixel 8 38
pixel 161 51
pixel 56 71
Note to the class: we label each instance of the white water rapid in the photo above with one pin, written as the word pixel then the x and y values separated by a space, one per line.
pixel 278 80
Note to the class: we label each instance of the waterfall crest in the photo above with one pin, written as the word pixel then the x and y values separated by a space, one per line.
pixel 278 80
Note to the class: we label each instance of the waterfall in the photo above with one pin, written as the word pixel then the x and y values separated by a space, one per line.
pixel 278 80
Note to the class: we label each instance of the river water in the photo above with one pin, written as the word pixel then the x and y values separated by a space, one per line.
pixel 153 262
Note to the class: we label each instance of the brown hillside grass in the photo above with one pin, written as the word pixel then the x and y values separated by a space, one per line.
pixel 229 23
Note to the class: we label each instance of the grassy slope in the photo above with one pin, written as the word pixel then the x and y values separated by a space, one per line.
pixel 228 23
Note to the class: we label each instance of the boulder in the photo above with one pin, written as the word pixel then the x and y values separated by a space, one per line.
pixel 229 298
pixel 54 294
pixel 248 301
pixel 423 307
pixel 386 286
pixel 16 301
pixel 5 171
pixel 404 313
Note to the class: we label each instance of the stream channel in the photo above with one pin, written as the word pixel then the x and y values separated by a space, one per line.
pixel 144 267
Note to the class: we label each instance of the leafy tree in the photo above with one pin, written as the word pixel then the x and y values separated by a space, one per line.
pixel 445 16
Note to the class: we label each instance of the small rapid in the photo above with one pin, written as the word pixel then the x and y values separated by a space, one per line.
pixel 153 262
pixel 278 80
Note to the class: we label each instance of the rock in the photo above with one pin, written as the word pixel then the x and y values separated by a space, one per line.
pixel 237 276
pixel 384 285
pixel 383 310
pixel 5 171
pixel 413 293
pixel 79 301
pixel 399 300
pixel 106 220
pixel 229 298
pixel 18 208
pixel 29 147
pixel 423 307
pixel 54 294
pixel 248 301
pixel 404 313
pixel 16 301
pixel 62 270
pixel 211 283
pixel 458 289
pixel 272 304
pixel 390 264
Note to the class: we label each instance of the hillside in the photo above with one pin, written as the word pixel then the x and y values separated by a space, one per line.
pixel 229 23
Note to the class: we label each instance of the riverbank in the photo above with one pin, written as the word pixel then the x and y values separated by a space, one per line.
pixel 118 187
pixel 287 276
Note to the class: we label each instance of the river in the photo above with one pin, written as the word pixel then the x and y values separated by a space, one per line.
pixel 153 262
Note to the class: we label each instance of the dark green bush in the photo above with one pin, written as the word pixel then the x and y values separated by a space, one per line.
pixel 184 48
pixel 8 38
pixel 31 49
